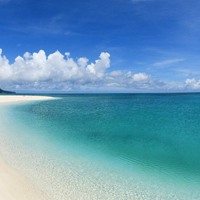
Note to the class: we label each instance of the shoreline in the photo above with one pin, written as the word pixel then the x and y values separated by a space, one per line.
pixel 13 185
pixel 12 99
pixel 26 174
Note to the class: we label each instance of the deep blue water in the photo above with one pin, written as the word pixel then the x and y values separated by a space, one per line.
pixel 157 133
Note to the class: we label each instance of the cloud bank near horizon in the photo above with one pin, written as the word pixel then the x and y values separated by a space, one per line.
pixel 60 72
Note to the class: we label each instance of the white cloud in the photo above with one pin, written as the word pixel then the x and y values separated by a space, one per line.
pixel 116 73
pixel 129 80
pixel 167 62
pixel 55 67
pixel 192 83
pixel 140 77
pixel 98 68
pixel 61 72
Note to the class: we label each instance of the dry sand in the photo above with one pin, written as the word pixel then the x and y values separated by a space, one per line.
pixel 22 98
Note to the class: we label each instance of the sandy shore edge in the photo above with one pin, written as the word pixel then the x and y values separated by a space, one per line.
pixel 11 99
pixel 13 186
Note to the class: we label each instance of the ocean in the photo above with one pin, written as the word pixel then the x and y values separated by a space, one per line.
pixel 107 146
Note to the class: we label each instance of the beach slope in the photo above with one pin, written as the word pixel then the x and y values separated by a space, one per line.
pixel 13 186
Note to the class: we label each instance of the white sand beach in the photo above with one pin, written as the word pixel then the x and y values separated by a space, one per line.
pixel 13 186
pixel 4 99
pixel 30 170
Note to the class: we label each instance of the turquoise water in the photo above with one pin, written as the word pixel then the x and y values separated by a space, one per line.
pixel 139 146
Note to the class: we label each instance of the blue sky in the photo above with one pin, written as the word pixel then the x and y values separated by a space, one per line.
pixel 153 45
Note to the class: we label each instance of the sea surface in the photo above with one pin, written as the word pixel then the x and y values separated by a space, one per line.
pixel 107 146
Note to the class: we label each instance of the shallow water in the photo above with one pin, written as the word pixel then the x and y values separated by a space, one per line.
pixel 108 146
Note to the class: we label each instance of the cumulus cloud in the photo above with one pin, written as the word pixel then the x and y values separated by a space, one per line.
pixel 55 67
pixel 129 80
pixel 192 84
pixel 59 71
